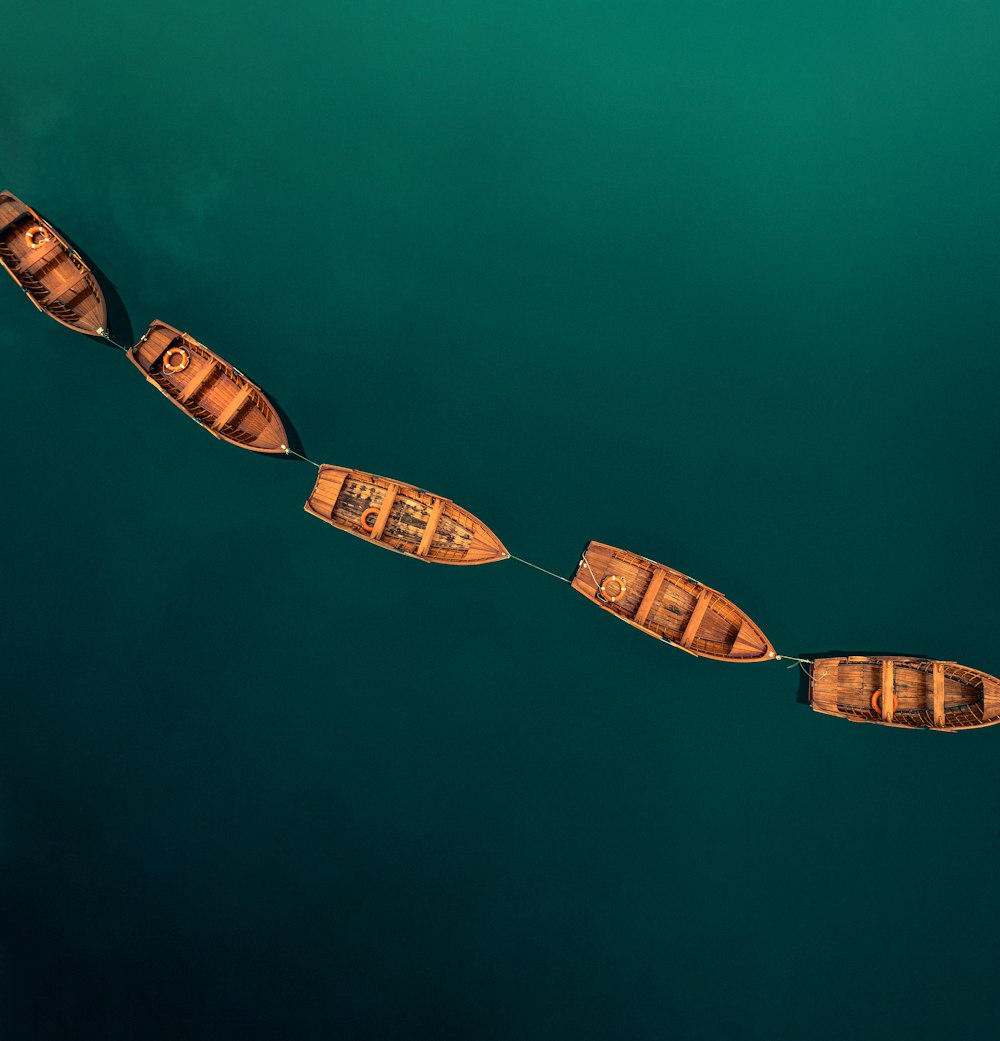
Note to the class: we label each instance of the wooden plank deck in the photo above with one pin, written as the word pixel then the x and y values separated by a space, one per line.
pixel 34 257
pixel 747 640
pixel 71 289
pixel 7 227
pixel 331 486
pixel 236 403
pixel 199 381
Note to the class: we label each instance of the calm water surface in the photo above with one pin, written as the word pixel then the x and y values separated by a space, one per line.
pixel 714 282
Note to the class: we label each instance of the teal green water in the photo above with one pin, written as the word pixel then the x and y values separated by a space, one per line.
pixel 714 282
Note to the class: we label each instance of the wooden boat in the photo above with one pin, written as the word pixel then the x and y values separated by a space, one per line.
pixel 49 270
pixel 209 389
pixel 904 692
pixel 402 517
pixel 668 605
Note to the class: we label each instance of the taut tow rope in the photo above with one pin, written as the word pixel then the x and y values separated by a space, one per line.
pixel 544 571
pixel 104 336
pixel 304 458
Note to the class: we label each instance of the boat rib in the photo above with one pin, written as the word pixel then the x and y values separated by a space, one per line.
pixel 668 605
pixel 904 692
pixel 49 270
pixel 209 389
pixel 402 517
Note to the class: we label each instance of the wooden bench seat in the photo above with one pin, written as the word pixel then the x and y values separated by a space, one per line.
pixel 649 597
pixel 937 679
pixel 33 258
pixel 433 519
pixel 888 690
pixel 693 623
pixel 198 382
pixel 238 400
pixel 384 510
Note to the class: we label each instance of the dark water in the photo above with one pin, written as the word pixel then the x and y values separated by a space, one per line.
pixel 715 282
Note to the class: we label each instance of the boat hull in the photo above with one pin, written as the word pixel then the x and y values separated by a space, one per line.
pixel 209 389
pixel 915 693
pixel 49 270
pixel 402 517
pixel 669 605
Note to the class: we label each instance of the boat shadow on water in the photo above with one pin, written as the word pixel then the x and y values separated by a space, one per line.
pixel 802 695
pixel 119 323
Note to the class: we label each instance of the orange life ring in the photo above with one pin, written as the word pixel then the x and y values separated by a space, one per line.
pixel 175 359
pixel 37 236
pixel 371 512
pixel 877 701
pixel 620 582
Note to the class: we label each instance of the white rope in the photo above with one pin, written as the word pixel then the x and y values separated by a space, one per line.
pixel 544 571
pixel 597 592
pixel 305 459
pixel 791 657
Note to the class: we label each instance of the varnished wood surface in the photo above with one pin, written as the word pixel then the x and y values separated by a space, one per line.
pixel 210 390
pixel 50 272
pixel 670 606
pixel 897 691
pixel 402 517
